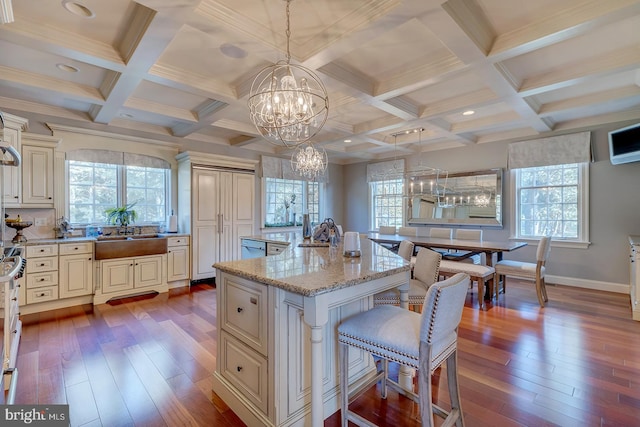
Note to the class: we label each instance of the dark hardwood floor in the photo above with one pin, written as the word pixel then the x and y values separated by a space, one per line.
pixel 148 362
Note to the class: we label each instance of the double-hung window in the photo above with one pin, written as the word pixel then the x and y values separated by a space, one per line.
pixel 287 199
pixel 94 187
pixel 549 201
pixel 387 205
pixel 550 188
pixel 386 185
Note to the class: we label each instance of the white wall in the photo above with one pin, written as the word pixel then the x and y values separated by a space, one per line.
pixel 614 212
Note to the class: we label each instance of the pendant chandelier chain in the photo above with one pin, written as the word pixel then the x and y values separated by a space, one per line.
pixel 288 32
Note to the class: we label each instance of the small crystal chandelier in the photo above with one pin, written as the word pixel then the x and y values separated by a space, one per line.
pixel 309 162
pixel 285 109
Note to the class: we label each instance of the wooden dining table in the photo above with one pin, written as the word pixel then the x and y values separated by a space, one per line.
pixel 472 247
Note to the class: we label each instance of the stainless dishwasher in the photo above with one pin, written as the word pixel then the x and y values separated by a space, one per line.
pixel 253 248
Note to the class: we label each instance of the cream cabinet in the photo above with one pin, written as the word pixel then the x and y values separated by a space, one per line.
pixel 12 134
pixel 216 206
pixel 76 269
pixel 129 276
pixel 634 276
pixel 177 258
pixel 41 276
pixel 37 175
pixel 264 352
pixel 276 248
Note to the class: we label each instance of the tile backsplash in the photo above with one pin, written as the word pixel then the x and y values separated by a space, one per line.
pixel 43 222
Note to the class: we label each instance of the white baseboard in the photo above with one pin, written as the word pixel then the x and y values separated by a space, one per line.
pixel 620 288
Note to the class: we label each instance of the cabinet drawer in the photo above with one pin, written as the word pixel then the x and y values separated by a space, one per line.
pixel 48 293
pixel 245 313
pixel 76 248
pixel 35 265
pixel 41 250
pixel 38 280
pixel 178 241
pixel 245 369
pixel 275 249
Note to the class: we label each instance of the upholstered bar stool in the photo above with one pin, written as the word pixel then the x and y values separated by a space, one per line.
pixel 425 274
pixel 420 341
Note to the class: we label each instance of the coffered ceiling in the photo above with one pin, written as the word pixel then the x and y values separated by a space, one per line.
pixel 173 69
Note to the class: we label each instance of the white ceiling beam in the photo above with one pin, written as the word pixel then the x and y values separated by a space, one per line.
pixel 147 37
pixel 616 61
pixel 75 91
pixel 42 36
pixel 160 109
pixel 589 101
pixel 563 25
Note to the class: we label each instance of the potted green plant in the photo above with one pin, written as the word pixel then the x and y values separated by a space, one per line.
pixel 123 215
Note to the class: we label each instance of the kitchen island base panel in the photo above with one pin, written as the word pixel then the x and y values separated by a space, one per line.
pixel 301 352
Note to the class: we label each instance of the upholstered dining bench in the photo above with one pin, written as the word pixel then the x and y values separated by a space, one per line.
pixel 484 275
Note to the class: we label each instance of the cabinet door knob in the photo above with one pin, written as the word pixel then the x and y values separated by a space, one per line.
pixel 240 309
pixel 239 368
pixel 50 198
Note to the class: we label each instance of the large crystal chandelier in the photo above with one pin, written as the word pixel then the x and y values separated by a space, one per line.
pixel 309 162
pixel 288 103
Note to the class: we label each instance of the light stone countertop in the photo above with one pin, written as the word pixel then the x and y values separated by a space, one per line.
pixel 314 271
pixel 294 237
pixel 48 241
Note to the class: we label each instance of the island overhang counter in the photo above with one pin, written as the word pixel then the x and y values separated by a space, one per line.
pixel 276 320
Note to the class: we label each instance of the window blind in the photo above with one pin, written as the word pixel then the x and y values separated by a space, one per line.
pixel 385 170
pixel 117 158
pixel 555 150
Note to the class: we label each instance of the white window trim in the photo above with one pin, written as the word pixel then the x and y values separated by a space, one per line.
pixel 372 213
pixel 583 196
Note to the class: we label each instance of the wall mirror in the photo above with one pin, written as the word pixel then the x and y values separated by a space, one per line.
pixel 464 198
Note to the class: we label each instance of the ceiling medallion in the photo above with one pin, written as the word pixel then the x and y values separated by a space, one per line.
pixel 309 162
pixel 288 103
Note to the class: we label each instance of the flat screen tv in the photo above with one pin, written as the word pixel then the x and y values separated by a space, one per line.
pixel 624 145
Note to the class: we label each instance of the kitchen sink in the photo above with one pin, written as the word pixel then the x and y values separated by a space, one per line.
pixel 109 247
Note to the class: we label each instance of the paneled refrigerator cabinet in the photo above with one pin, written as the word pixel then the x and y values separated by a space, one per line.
pixel 216 205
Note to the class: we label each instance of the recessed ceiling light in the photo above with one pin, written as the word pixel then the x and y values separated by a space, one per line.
pixel 78 9
pixel 347 140
pixel 66 67
pixel 126 115
pixel 468 113
pixel 233 51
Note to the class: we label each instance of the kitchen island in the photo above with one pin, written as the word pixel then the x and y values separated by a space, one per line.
pixel 277 362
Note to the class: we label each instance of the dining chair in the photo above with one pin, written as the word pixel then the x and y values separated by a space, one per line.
pixel 441 233
pixel 527 270
pixel 387 229
pixel 408 231
pixel 425 274
pixel 466 234
pixel 420 341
